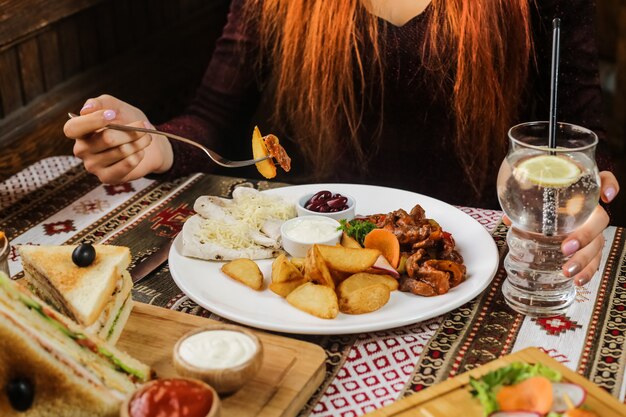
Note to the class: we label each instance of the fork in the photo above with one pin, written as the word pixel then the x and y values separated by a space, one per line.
pixel 217 158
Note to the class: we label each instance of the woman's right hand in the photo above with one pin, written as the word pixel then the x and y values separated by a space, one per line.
pixel 115 156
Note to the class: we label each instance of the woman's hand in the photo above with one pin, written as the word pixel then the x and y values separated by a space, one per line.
pixel 585 243
pixel 115 156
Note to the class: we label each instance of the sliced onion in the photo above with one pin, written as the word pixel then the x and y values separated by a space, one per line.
pixel 575 392
pixel 382 264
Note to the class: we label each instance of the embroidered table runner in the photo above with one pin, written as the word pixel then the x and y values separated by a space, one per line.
pixel 55 202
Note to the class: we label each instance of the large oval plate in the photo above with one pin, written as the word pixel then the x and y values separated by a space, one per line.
pixel 205 284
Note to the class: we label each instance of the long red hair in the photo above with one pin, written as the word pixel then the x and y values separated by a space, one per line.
pixel 479 49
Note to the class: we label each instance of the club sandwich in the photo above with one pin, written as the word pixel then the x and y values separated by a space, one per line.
pixel 97 296
pixel 66 370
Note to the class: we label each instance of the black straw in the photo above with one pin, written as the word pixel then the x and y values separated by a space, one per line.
pixel 554 79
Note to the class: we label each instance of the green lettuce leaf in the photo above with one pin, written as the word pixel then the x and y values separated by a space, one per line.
pixel 486 388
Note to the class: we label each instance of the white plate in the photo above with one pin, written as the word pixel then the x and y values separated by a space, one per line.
pixel 204 283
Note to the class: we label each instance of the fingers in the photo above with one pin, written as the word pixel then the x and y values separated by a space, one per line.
pixel 102 102
pixel 105 140
pixel 585 234
pixel 122 170
pixel 609 186
pixel 83 126
pixel 584 264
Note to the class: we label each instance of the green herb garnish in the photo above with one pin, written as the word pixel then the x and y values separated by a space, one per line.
pixel 486 388
pixel 357 230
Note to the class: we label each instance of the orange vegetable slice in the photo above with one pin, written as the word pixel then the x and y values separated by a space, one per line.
pixel 386 242
pixel 533 394
pixel 259 150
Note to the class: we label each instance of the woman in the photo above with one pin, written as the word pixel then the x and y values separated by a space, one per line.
pixel 407 93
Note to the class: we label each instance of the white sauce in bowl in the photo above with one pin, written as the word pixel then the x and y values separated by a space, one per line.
pixel 217 349
pixel 311 230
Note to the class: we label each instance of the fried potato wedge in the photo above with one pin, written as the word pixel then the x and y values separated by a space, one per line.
pixel 351 260
pixel 245 271
pixel 362 299
pixel 349 242
pixel 266 168
pixel 315 268
pixel 363 279
pixel 318 300
pixel 285 276
pixel 298 263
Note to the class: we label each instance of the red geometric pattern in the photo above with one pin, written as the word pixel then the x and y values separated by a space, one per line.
pixel 488 218
pixel 376 370
pixel 59 227
pixel 113 189
pixel 556 325
pixel 169 222
pixel 90 206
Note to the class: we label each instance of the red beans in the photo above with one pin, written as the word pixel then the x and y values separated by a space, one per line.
pixel 326 202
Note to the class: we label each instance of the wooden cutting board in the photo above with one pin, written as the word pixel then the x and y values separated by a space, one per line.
pixel 291 371
pixel 452 398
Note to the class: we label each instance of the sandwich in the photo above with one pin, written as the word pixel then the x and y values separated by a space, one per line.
pixel 97 296
pixel 50 366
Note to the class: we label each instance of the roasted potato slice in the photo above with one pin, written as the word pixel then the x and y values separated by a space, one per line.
pixel 285 276
pixel 349 242
pixel 298 263
pixel 364 278
pixel 357 298
pixel 245 271
pixel 351 260
pixel 259 150
pixel 318 300
pixel 315 268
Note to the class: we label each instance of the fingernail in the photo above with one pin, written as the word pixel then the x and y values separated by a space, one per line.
pixel 571 247
pixel 88 105
pixel 573 269
pixel 581 281
pixel 109 114
pixel 609 193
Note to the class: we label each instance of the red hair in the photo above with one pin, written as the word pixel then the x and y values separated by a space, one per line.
pixel 478 48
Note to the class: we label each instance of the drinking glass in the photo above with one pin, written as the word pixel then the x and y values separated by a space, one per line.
pixel 547 193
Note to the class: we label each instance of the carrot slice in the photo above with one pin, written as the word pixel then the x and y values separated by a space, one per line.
pixel 533 394
pixel 386 242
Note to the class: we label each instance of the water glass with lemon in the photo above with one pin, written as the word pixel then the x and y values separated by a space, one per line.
pixel 547 193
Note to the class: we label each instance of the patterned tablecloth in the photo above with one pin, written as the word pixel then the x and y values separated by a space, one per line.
pixel 55 201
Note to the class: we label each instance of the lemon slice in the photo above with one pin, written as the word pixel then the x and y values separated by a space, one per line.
pixel 548 171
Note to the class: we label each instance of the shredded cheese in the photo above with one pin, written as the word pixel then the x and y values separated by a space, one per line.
pixel 250 212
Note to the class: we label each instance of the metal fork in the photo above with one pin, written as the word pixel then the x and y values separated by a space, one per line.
pixel 217 158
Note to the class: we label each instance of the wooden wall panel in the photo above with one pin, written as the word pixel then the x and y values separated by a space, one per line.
pixel 50 53
pixel 112 46
pixel 70 47
pixel 30 68
pixel 20 18
pixel 10 82
pixel 87 27
pixel 106 30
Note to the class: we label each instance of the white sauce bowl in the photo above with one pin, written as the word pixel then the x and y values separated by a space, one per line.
pixel 301 233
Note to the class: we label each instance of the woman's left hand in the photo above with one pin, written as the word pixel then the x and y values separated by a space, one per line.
pixel 585 243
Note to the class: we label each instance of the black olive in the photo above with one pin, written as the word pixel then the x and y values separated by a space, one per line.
pixel 84 254
pixel 21 393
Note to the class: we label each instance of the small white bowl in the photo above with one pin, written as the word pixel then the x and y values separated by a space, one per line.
pixel 347 214
pixel 298 246
pixel 228 379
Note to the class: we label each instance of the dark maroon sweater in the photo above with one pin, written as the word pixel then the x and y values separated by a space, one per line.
pixel 414 151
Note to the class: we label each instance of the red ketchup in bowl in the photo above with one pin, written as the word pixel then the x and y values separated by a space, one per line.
pixel 171 398
pixel 326 202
